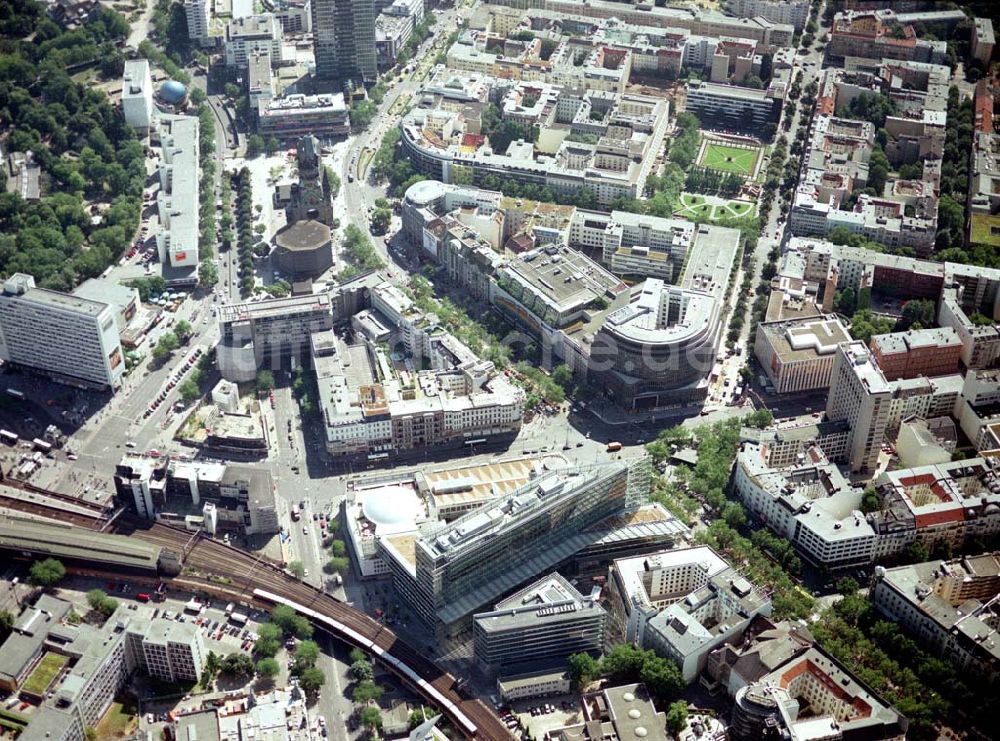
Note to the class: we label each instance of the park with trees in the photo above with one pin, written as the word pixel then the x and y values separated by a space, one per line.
pixel 358 252
pixel 93 165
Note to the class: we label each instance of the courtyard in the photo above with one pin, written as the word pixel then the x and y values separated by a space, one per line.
pixel 692 206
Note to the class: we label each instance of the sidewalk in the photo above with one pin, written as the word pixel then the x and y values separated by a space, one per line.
pixel 614 415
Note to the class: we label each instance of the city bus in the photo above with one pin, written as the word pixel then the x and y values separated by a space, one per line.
pixel 614 447
pixel 8 437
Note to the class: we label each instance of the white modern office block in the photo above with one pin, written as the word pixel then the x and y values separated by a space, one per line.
pixel 137 94
pixel 72 339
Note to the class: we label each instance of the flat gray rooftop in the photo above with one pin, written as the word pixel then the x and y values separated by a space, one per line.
pixel 75 542
pixel 251 310
pixel 710 260
pixel 564 276
pixel 66 301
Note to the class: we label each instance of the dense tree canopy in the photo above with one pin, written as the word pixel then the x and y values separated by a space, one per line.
pixel 47 572
pixel 627 663
pixel 291 623
pixel 85 150
pixel 869 107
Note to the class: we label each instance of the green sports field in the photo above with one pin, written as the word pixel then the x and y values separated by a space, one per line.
pixel 729 159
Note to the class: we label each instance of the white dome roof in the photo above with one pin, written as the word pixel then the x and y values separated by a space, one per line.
pixel 634 713
pixel 641 732
pixel 425 192
pixel 391 505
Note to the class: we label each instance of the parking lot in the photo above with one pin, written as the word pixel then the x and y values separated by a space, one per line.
pixel 223 630
pixel 537 717
pixel 176 378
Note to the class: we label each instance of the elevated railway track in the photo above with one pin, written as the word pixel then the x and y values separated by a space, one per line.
pixel 216 568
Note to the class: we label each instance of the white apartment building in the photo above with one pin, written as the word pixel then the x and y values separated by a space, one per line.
pixel 173 651
pixel 250 35
pixel 642 586
pixel 872 406
pixel 977 409
pixel 199 19
pixel 177 201
pixel 949 606
pixel 810 503
pixel 72 339
pixel 100 662
pixel 982 40
pixel 797 355
pixel 792 12
pixel 137 94
pixel 134 475
pixel 464 405
pixel 633 244
pixel 664 601
pixel 860 395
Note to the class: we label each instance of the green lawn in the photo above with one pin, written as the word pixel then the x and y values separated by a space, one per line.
pixel 985 230
pixel 690 205
pixel 118 722
pixel 44 673
pixel 729 159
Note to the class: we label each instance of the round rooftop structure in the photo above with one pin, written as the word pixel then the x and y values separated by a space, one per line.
pixel 425 193
pixel 392 505
pixel 173 91
pixel 304 249
pixel 554 461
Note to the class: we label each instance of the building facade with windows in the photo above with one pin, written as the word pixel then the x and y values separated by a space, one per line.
pixel 935 351
pixel 137 94
pixel 544 622
pixel 72 339
pixel 344 40
pixel 797 354
pixel 453 571
pixel 861 396
pixel 98 663
pixel 737 108
pixel 199 19
pixel 792 12
pixel 269 331
pixel 172 651
pixel 254 34
pixel 949 606
pixel 301 115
